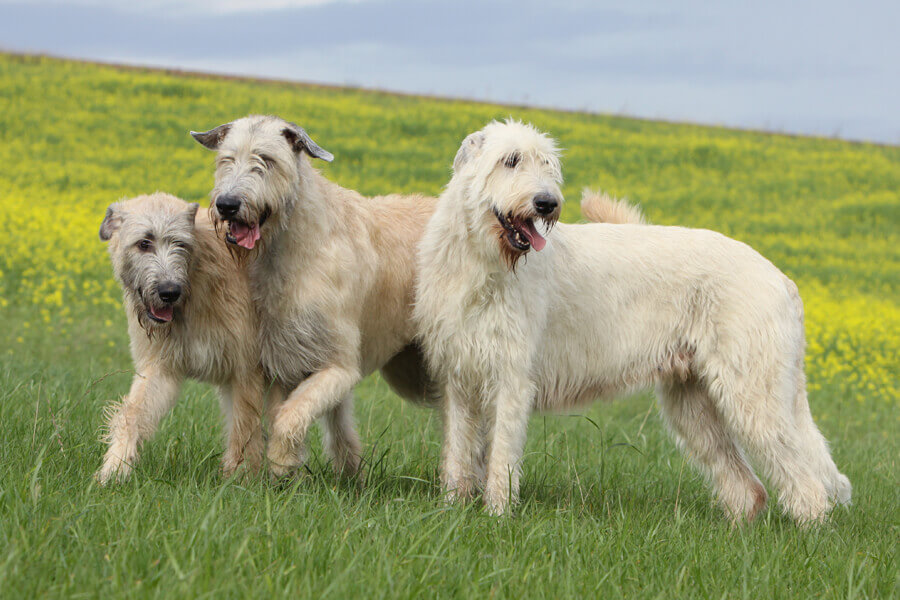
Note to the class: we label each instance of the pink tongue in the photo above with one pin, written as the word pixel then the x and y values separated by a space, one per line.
pixel 534 238
pixel 163 314
pixel 245 235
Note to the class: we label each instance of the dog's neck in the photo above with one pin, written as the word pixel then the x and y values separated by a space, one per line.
pixel 303 214
pixel 458 243
pixel 309 221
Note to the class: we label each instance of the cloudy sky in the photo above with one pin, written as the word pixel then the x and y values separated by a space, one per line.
pixel 827 68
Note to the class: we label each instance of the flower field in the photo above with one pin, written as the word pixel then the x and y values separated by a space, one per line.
pixel 75 137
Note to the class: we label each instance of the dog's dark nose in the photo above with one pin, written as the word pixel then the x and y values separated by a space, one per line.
pixel 169 291
pixel 228 206
pixel 545 203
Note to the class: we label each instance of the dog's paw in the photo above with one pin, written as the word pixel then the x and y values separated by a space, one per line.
pixel 241 472
pixel 284 467
pixel 458 491
pixel 842 492
pixel 497 509
pixel 497 504
pixel 112 471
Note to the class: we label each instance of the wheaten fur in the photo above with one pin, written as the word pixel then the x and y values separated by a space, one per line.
pixel 212 336
pixel 332 280
pixel 602 310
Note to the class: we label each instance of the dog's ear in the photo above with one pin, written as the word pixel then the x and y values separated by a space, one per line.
pixel 191 211
pixel 468 149
pixel 212 138
pixel 300 141
pixel 111 222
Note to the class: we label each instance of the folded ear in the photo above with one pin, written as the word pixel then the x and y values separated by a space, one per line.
pixel 469 148
pixel 212 138
pixel 300 141
pixel 111 222
pixel 191 211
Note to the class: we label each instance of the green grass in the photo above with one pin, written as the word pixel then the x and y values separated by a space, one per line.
pixel 609 506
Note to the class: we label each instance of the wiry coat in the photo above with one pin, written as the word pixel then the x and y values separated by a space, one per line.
pixel 332 279
pixel 212 336
pixel 603 309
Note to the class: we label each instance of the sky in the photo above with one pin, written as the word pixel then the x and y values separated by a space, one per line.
pixel 822 68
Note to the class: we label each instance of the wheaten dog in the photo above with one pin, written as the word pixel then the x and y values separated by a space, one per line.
pixel 189 315
pixel 510 325
pixel 332 278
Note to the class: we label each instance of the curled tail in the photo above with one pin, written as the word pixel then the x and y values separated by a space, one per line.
pixel 600 207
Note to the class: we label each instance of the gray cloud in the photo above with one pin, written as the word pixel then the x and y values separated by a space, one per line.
pixel 817 68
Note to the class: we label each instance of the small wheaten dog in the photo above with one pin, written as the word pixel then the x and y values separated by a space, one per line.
pixel 189 315
pixel 515 317
pixel 332 279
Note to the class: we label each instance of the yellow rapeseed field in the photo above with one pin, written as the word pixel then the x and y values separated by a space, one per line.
pixel 77 137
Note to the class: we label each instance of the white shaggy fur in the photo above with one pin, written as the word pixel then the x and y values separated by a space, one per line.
pixel 601 310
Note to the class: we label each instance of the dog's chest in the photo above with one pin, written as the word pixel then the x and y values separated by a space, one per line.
pixel 200 353
pixel 295 345
pixel 496 330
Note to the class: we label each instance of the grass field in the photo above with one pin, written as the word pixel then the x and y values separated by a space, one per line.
pixel 609 506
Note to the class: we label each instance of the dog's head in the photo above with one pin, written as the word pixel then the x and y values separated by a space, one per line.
pixel 510 176
pixel 259 162
pixel 151 243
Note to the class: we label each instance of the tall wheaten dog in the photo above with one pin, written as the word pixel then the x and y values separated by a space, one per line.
pixel 189 315
pixel 332 279
pixel 514 319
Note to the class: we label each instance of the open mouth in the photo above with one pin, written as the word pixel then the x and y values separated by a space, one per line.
pixel 162 314
pixel 520 233
pixel 246 235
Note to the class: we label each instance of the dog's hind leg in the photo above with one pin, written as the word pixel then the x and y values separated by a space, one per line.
pixel 243 406
pixel 134 419
pixel 698 429
pixel 760 413
pixel 341 439
pixel 836 483
pixel 462 443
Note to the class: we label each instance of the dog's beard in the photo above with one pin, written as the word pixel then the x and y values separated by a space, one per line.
pixel 151 318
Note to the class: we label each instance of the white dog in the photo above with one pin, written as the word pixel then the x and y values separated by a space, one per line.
pixel 600 309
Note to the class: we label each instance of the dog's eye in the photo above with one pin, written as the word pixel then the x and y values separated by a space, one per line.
pixel 512 161
pixel 258 170
pixel 144 245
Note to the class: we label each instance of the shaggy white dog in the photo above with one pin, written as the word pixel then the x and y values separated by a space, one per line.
pixel 514 317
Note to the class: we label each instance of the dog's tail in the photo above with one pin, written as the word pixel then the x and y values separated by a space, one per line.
pixel 600 207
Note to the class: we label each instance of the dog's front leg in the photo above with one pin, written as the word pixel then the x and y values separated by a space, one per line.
pixel 319 393
pixel 134 419
pixel 243 404
pixel 462 445
pixel 512 408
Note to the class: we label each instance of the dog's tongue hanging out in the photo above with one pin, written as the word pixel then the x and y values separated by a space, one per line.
pixel 246 236
pixel 163 314
pixel 534 238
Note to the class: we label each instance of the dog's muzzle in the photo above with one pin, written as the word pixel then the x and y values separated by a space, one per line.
pixel 520 232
